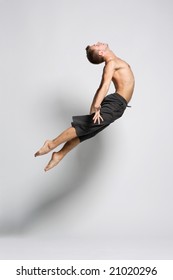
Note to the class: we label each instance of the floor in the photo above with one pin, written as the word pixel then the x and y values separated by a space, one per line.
pixel 20 247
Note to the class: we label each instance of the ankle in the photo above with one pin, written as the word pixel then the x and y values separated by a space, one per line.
pixel 60 154
pixel 51 144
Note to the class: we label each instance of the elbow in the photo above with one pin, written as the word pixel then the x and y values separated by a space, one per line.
pixel 105 88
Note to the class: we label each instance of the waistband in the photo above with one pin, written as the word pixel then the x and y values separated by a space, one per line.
pixel 122 98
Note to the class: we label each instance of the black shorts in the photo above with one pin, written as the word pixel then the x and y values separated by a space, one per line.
pixel 112 108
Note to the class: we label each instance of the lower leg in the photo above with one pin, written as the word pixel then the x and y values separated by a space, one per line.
pixel 49 145
pixel 58 156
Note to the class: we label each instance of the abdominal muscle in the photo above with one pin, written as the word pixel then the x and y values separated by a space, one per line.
pixel 123 80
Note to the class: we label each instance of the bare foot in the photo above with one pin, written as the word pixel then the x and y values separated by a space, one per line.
pixel 56 157
pixel 45 149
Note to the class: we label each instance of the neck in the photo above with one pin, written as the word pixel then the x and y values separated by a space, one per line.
pixel 109 56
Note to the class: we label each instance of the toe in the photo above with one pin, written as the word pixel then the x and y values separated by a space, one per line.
pixel 53 162
pixel 47 167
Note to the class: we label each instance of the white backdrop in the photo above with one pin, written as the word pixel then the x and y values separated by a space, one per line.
pixel 111 197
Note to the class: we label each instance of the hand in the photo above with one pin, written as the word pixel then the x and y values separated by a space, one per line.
pixel 97 116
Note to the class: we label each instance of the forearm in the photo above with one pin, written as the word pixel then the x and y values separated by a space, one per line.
pixel 98 98
pixel 93 109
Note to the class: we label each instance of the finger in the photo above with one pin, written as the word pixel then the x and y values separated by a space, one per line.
pixel 95 116
pixel 98 119
pixel 95 120
pixel 101 119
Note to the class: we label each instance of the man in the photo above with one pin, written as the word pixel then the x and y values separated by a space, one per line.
pixel 104 109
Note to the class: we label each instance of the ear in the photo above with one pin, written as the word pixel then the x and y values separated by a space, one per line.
pixel 101 53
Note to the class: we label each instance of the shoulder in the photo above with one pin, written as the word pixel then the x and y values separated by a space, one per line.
pixel 110 66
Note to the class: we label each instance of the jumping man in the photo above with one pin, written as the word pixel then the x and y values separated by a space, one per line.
pixel 104 109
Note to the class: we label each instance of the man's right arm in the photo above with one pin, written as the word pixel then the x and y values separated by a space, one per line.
pixel 101 92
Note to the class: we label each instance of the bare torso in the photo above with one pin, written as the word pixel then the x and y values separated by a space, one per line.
pixel 123 79
pixel 120 73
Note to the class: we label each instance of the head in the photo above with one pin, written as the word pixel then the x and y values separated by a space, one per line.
pixel 95 53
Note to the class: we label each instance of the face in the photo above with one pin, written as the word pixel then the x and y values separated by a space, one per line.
pixel 99 46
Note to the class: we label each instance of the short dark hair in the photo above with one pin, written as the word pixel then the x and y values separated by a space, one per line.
pixel 93 56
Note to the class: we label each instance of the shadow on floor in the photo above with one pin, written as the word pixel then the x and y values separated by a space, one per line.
pixel 84 164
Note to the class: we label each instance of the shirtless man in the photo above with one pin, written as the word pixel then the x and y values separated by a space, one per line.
pixel 104 109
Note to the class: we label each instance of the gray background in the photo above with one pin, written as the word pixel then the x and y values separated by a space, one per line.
pixel 111 198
